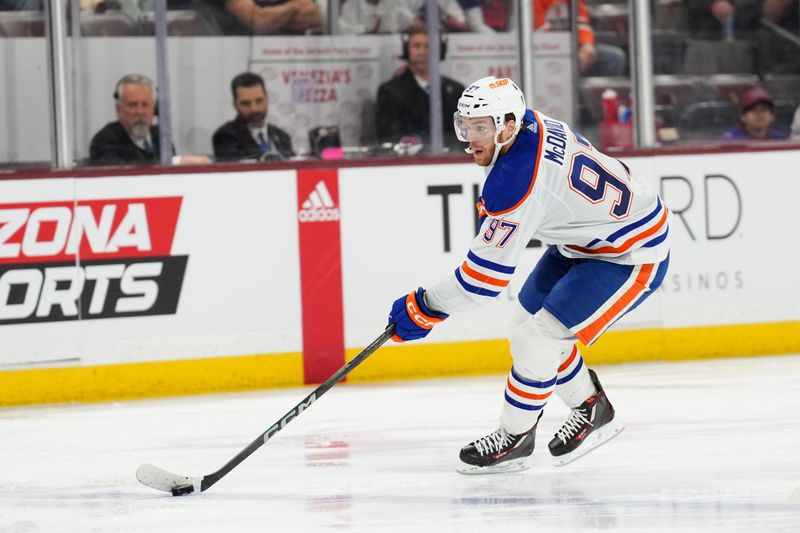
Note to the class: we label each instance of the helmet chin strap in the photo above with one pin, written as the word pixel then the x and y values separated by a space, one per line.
pixel 498 146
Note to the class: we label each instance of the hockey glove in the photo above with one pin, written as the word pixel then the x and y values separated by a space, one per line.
pixel 412 317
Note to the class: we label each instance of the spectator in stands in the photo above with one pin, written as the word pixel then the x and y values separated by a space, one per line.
pixel 395 16
pixel 401 111
pixel 777 53
pixel 721 19
pixel 594 59
pixel 473 12
pixel 756 118
pixel 721 36
pixel 249 136
pixel 132 139
pixel 263 17
pixel 375 16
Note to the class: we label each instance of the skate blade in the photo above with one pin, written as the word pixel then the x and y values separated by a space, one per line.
pixel 595 440
pixel 516 465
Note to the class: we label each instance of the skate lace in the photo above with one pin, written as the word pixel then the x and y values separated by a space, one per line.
pixel 577 418
pixel 493 442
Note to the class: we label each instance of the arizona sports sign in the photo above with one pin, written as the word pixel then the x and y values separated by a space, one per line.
pixel 89 259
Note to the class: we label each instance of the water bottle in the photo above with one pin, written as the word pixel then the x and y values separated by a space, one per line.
pixel 610 106
pixel 624 114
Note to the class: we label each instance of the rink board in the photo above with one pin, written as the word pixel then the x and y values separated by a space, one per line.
pixel 139 286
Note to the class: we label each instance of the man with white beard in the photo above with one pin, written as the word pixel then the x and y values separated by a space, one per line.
pixel 132 139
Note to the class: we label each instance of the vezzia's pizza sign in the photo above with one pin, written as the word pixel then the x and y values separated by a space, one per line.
pixel 90 259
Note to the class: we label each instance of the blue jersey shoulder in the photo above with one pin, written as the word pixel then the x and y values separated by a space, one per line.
pixel 511 177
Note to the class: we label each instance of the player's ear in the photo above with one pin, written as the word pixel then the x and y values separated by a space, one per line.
pixel 511 125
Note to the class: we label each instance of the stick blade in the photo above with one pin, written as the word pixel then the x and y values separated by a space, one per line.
pixel 159 479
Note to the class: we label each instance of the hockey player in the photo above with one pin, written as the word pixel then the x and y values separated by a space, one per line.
pixel 607 230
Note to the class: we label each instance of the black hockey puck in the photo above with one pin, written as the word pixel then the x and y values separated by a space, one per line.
pixel 180 490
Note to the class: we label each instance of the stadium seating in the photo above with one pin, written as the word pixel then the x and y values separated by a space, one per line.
pixel 21 24
pixel 110 23
pixel 179 23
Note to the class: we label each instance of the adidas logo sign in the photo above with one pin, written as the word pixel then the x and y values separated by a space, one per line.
pixel 319 206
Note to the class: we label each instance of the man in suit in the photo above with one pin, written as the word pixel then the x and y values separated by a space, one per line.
pixel 249 136
pixel 132 139
pixel 401 111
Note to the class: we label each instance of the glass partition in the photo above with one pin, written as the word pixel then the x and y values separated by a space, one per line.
pixel 606 105
pixel 24 90
pixel 347 78
pixel 726 70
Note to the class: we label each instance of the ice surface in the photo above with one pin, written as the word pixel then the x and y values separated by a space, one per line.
pixel 708 446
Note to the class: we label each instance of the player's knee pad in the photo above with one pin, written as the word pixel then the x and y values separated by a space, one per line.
pixel 538 344
pixel 518 316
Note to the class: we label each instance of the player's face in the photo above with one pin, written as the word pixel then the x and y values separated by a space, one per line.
pixel 757 120
pixel 251 105
pixel 470 129
pixel 418 54
pixel 479 132
pixel 135 109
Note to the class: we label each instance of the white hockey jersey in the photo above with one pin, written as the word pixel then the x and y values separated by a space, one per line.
pixel 553 185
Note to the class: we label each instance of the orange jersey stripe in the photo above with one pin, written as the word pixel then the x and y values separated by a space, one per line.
pixel 627 244
pixel 587 334
pixel 474 274
pixel 527 395
pixel 535 170
pixel 571 358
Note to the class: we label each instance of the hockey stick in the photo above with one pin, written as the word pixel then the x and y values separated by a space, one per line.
pixel 159 479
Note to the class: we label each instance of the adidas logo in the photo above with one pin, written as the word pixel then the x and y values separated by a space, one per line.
pixel 319 206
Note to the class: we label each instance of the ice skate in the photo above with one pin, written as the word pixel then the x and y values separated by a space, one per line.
pixel 589 425
pixel 498 452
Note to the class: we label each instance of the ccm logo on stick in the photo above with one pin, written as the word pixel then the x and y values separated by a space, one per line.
pixel 97 259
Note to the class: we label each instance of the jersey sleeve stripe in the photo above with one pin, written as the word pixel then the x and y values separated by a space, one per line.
pixel 638 224
pixel 627 245
pixel 480 291
pixel 474 274
pixel 490 265
pixel 536 165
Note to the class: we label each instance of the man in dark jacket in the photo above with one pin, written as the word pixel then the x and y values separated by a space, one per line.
pixel 249 136
pixel 401 112
pixel 132 139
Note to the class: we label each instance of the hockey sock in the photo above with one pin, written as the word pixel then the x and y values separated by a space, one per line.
pixel 574 385
pixel 524 400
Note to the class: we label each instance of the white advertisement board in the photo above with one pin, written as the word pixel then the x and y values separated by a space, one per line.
pixel 172 266
pixel 234 237
pixel 732 241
